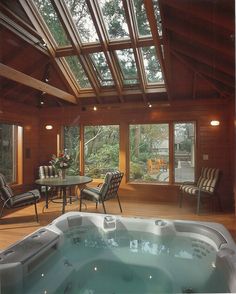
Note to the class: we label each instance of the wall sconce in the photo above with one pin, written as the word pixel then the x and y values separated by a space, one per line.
pixel 214 123
pixel 48 127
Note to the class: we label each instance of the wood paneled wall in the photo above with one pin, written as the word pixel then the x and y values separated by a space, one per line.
pixel 214 141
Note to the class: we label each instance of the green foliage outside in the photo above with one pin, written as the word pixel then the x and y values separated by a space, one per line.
pixel 6 151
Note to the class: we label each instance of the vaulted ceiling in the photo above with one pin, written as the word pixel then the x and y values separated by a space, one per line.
pixel 116 52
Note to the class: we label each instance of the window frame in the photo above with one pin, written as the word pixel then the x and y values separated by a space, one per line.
pixel 171 180
pixel 17 135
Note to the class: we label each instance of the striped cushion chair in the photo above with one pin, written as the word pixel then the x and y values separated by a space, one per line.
pixel 9 200
pixel 206 186
pixel 105 191
pixel 47 171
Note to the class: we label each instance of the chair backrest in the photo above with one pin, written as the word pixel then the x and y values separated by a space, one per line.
pixel 209 179
pixel 5 191
pixel 47 171
pixel 111 185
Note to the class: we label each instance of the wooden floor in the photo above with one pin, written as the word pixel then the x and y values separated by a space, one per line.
pixel 16 224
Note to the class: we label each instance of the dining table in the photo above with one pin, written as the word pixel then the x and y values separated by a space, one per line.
pixel 63 184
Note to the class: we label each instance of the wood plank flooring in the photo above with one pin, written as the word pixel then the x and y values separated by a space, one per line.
pixel 16 224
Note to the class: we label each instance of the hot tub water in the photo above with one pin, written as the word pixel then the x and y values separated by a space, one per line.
pixel 117 255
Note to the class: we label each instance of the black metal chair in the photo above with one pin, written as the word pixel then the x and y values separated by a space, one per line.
pixel 105 191
pixel 206 186
pixel 12 201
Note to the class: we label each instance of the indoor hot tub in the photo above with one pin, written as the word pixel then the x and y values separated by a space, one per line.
pixel 97 253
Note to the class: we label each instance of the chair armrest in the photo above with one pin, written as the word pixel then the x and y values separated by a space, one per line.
pixel 99 184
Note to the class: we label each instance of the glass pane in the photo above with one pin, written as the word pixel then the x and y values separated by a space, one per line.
pixel 72 145
pixel 149 153
pixel 101 150
pixel 158 16
pixel 114 18
pixel 83 20
pixel 78 71
pixel 141 18
pixel 52 20
pixel 184 154
pixel 8 148
pixel 152 65
pixel 102 69
pixel 127 65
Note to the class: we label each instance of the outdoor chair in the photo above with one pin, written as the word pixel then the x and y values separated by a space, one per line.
pixel 12 201
pixel 48 172
pixel 105 191
pixel 206 186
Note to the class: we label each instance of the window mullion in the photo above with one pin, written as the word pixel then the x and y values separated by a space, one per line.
pixel 129 12
pixel 97 18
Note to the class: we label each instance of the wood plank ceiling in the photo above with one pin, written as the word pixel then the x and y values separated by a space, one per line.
pixel 194 42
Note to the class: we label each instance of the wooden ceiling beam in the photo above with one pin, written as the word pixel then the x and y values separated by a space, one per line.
pixel 42 29
pixel 157 41
pixel 101 30
pixel 130 17
pixel 22 33
pixel 19 77
pixel 71 29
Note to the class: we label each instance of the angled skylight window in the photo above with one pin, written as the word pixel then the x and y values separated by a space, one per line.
pixel 82 20
pixel 52 20
pixel 102 70
pixel 128 66
pixel 78 72
pixel 114 18
pixel 158 16
pixel 141 18
pixel 152 66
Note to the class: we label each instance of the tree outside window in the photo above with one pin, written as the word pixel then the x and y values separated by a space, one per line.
pixel 149 153
pixel 101 150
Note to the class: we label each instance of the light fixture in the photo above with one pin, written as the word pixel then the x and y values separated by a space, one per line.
pixel 48 127
pixel 149 104
pixel 214 123
pixel 95 108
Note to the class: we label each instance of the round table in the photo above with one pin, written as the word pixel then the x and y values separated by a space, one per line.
pixel 69 181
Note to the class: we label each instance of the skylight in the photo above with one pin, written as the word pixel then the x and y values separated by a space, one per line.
pixel 114 18
pixel 128 66
pixel 82 20
pixel 52 20
pixel 77 69
pixel 141 18
pixel 102 69
pixel 108 47
pixel 151 65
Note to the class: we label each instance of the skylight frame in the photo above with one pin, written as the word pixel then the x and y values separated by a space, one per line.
pixel 82 72
pixel 53 36
pixel 106 25
pixel 146 64
pixel 122 83
pixel 127 80
pixel 89 25
pixel 99 73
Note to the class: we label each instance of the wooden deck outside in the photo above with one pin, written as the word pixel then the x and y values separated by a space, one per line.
pixel 16 224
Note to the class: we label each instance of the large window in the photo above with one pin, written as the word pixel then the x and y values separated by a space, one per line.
pixel 101 150
pixel 9 135
pixel 149 153
pixel 184 154
pixel 72 144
